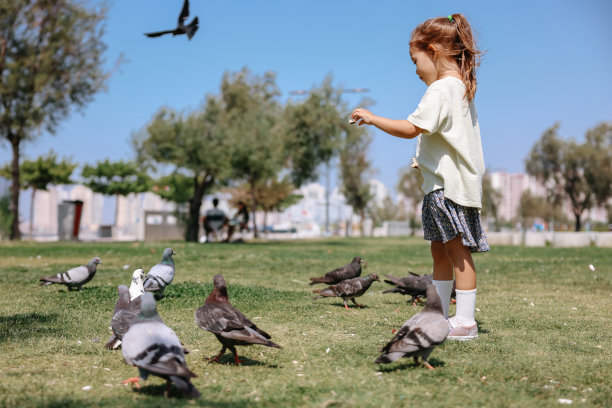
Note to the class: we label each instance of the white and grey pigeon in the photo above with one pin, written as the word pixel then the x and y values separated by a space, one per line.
pixel 125 311
pixel 155 349
pixel 419 334
pixel 75 277
pixel 161 275
pixel 137 287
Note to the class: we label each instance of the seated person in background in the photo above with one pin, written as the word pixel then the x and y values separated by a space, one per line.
pixel 241 219
pixel 214 220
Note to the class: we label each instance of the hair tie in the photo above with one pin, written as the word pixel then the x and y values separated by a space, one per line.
pixel 450 18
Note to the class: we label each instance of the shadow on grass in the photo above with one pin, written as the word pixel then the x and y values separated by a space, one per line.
pixel 408 364
pixel 228 359
pixel 350 305
pixel 25 325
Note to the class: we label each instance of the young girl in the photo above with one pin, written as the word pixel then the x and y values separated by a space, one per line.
pixel 449 156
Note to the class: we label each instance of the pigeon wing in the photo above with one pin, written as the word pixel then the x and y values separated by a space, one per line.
pixel 163 272
pixel 184 13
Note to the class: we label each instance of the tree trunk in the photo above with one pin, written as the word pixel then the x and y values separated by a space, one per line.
pixel 32 213
pixel 14 140
pixel 578 223
pixel 254 209
pixel 193 220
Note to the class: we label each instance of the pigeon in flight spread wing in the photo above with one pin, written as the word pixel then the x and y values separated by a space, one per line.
pixel 161 275
pixel 419 334
pixel 181 28
pixel 228 324
pixel 155 349
pixel 126 310
pixel 413 285
pixel 75 277
pixel 352 270
pixel 348 289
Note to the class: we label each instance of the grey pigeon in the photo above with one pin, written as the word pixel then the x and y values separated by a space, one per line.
pixel 352 270
pixel 348 289
pixel 413 285
pixel 228 324
pixel 161 275
pixel 181 28
pixel 75 277
pixel 125 311
pixel 419 334
pixel 155 349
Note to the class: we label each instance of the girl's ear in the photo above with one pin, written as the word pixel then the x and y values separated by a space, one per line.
pixel 433 50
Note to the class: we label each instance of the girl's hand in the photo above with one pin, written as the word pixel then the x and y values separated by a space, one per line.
pixel 363 116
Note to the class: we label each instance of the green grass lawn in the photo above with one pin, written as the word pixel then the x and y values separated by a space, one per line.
pixel 545 324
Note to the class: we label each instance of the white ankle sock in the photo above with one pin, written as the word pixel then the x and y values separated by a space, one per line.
pixel 466 304
pixel 444 289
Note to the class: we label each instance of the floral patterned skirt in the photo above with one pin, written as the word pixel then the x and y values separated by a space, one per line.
pixel 443 220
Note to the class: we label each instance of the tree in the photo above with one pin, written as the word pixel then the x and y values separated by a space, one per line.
pixel 50 60
pixel 599 171
pixel 175 187
pixel 532 207
pixel 386 212
pixel 409 185
pixel 561 166
pixel 355 169
pixel 273 195
pixel 313 130
pixel 195 145
pixel 38 174
pixel 251 113
pixel 118 178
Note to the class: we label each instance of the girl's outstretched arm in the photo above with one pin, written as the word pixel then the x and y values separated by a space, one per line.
pixel 395 127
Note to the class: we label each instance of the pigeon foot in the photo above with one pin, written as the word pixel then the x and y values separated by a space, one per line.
pixel 238 361
pixel 428 366
pixel 132 380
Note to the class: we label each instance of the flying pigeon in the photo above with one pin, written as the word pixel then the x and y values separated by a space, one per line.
pixel 414 285
pixel 181 28
pixel 228 324
pixel 136 287
pixel 126 310
pixel 155 349
pixel 419 334
pixel 75 277
pixel 160 275
pixel 348 289
pixel 352 270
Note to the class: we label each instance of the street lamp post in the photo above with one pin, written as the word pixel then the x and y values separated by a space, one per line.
pixel 301 92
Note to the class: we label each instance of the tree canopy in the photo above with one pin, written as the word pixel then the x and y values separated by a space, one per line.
pixel 51 60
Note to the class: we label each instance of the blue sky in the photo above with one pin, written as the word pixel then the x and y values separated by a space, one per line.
pixel 546 62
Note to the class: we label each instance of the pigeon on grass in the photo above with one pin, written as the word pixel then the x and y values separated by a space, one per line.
pixel 228 324
pixel 156 350
pixel 348 289
pixel 75 277
pixel 126 310
pixel 161 275
pixel 349 271
pixel 419 334
pixel 181 28
pixel 137 285
pixel 413 285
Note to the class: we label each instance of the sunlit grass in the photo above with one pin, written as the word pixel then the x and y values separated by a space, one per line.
pixel 544 318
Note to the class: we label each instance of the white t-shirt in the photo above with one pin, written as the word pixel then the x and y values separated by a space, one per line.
pixel 449 151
